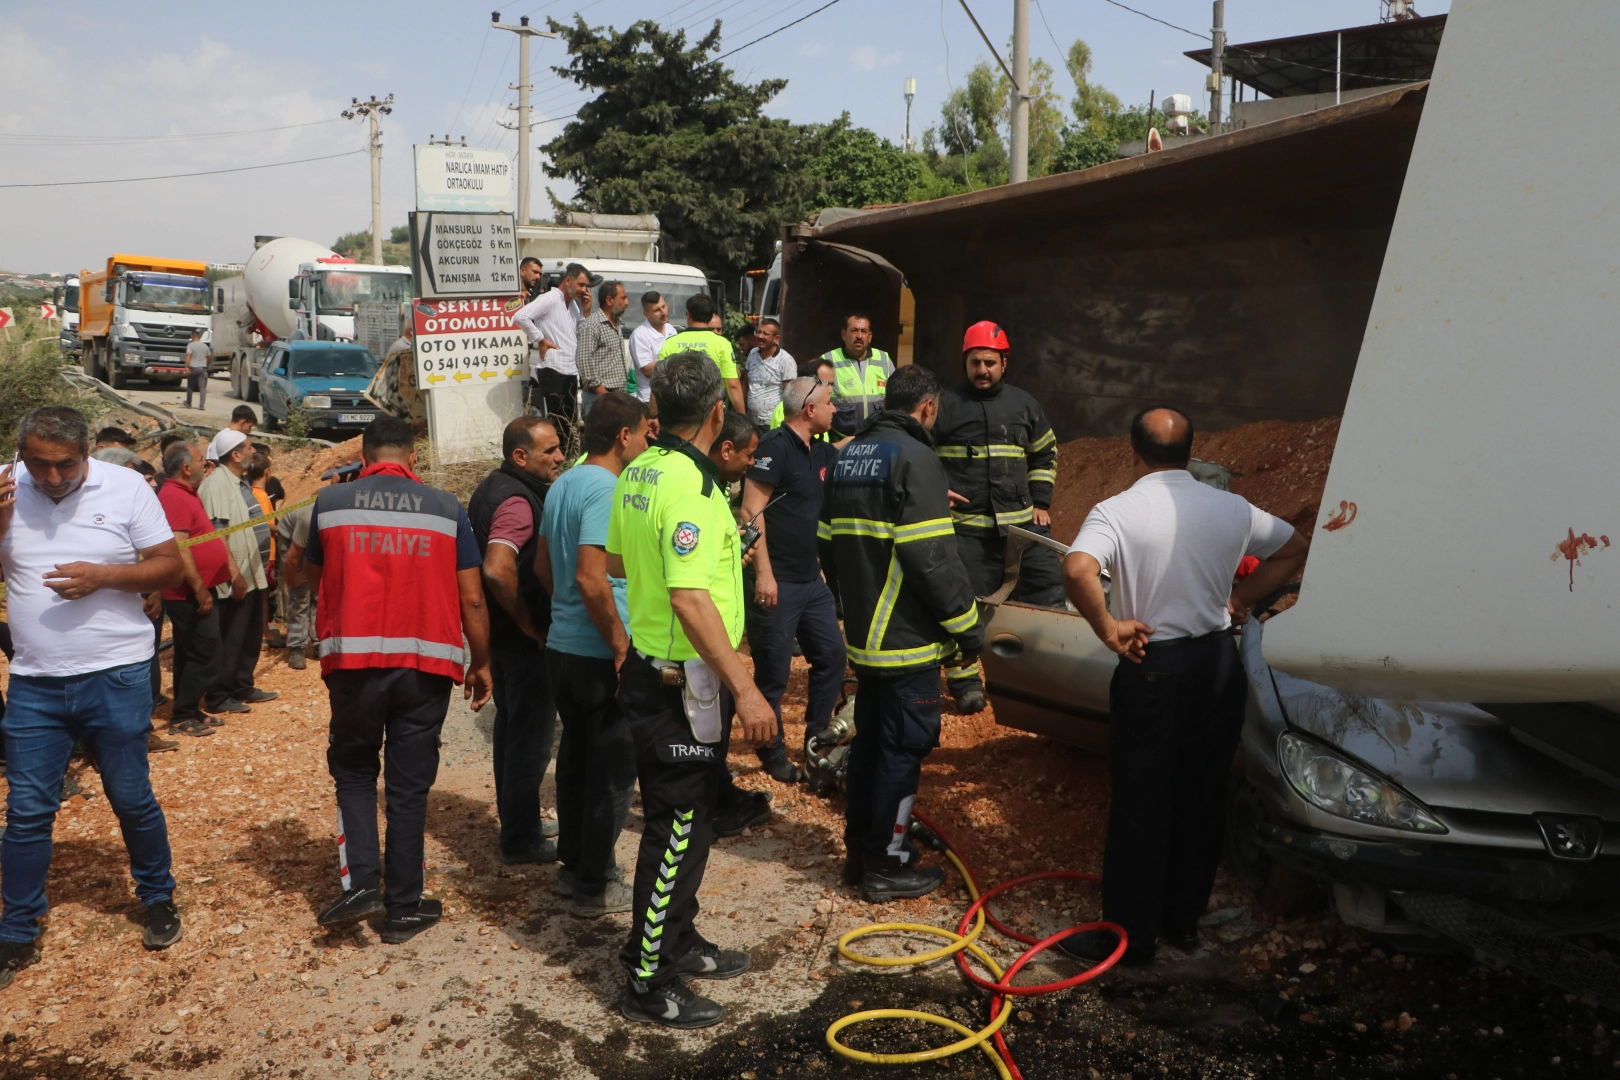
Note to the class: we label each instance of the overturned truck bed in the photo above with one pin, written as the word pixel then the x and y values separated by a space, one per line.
pixel 1231 277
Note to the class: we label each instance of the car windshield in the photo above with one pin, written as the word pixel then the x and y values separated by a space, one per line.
pixel 341 290
pixel 70 298
pixel 166 294
pixel 674 291
pixel 333 363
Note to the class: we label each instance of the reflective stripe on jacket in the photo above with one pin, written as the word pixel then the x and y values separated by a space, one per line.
pixel 999 453
pixel 858 387
pixel 388 595
pixel 908 602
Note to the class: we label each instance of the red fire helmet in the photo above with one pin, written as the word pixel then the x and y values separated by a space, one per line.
pixel 986 335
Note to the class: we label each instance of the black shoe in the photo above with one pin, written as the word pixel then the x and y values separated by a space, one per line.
pixel 229 704
pixel 674 1005
pixel 889 879
pixel 544 853
pixel 970 701
pixel 706 960
pixel 162 925
pixel 352 906
pixel 1095 946
pixel 295 658
pixel 783 771
pixel 854 868
pixel 753 809
pixel 1187 943
pixel 14 956
pixel 548 829
pixel 254 696
pixel 396 931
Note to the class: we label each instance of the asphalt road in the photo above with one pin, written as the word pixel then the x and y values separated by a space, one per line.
pixel 219 405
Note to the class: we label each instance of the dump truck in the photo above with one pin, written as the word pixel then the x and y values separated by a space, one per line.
pixel 136 317
pixel 293 289
pixel 66 298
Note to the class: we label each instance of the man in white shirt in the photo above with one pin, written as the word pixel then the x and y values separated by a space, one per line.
pixel 551 323
pixel 769 368
pixel 1172 546
pixel 648 338
pixel 80 541
pixel 197 359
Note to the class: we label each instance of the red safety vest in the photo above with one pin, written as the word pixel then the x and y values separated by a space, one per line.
pixel 388 594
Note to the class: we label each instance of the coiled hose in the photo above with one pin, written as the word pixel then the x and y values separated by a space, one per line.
pixel 961 944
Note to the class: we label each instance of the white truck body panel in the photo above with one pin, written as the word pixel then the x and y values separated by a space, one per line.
pixel 267 274
pixel 1464 551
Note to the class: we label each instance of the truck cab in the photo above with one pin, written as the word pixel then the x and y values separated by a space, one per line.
pixel 66 298
pixel 137 317
pixel 323 295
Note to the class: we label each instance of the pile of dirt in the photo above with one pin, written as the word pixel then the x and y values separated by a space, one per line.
pixel 1281 467
pixel 302 482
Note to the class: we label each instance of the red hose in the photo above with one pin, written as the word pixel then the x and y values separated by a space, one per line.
pixel 1003 986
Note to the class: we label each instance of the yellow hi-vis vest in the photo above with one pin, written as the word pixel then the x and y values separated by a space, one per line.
pixel 858 387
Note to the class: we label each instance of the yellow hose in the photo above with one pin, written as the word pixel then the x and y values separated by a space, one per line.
pixel 957 943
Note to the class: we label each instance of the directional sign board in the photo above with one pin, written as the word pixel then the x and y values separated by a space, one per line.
pixel 471 358
pixel 463 254
pixel 5 317
pixel 47 310
pixel 465 178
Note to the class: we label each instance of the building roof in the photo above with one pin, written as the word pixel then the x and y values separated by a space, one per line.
pixel 1380 55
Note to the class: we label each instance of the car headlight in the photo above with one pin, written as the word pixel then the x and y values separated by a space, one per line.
pixel 1344 789
pixel 317 401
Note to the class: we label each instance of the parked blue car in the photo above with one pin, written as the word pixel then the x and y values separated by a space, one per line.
pixel 328 378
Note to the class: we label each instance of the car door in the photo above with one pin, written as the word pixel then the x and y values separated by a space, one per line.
pixel 276 382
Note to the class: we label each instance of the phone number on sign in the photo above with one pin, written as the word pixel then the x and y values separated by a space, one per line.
pixel 472 363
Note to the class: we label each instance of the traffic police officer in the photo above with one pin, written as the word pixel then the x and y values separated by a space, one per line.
pixel 908 606
pixel 860 373
pixel 672 537
pixel 1001 457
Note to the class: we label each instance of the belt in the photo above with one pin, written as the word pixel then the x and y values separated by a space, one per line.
pixel 1178 642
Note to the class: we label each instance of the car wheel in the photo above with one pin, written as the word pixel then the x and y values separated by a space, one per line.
pixel 272 422
pixel 1279 889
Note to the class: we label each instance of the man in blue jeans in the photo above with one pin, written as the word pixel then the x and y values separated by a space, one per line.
pixel 783 497
pixel 80 540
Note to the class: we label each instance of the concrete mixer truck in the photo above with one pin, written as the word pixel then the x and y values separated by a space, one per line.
pixel 292 289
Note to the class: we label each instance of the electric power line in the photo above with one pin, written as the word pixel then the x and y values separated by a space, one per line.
pixel 1042 9
pixel 470 80
pixel 1155 18
pixel 89 140
pixel 177 176
pixel 778 30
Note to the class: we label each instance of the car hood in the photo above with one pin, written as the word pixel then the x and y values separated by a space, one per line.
pixel 322 384
pixel 1447 754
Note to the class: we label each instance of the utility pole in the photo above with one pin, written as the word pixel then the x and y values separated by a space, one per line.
pixel 524 32
pixel 1217 66
pixel 371 109
pixel 1018 168
pixel 911 92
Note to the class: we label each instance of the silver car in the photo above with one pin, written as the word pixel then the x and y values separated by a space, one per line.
pixel 1496 826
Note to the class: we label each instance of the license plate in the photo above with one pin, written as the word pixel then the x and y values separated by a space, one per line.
pixel 356 417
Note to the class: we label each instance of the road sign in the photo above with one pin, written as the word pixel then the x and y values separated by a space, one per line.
pixel 464 254
pixel 47 310
pixel 5 318
pixel 472 358
pixel 465 178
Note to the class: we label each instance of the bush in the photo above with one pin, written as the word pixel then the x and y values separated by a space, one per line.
pixel 30 375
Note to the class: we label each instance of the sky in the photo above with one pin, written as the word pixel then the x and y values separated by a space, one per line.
pixel 101 91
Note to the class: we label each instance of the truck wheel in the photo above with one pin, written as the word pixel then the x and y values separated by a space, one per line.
pixel 120 374
pixel 1279 889
pixel 250 387
pixel 87 357
pixel 236 377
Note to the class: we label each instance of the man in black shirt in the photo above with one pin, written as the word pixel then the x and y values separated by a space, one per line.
pixel 791 598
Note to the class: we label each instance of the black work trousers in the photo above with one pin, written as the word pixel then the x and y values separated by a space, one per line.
pixel 681 780
pixel 804 610
pixel 241 636
pixel 525 728
pixel 596 766
pixel 896 725
pixel 196 654
pixel 555 394
pixel 399 712
pixel 1174 724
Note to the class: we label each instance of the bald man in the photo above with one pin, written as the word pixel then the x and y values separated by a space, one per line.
pixel 1172 546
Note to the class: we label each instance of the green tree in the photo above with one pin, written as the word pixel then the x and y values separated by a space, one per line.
pixel 1091 104
pixel 859 168
pixel 672 132
pixel 357 246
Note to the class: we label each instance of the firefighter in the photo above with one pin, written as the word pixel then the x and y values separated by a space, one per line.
pixel 908 607
pixel 860 373
pixel 1001 457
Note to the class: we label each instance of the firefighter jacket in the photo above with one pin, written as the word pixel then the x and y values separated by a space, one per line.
pixel 858 387
pixel 908 603
pixel 999 453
